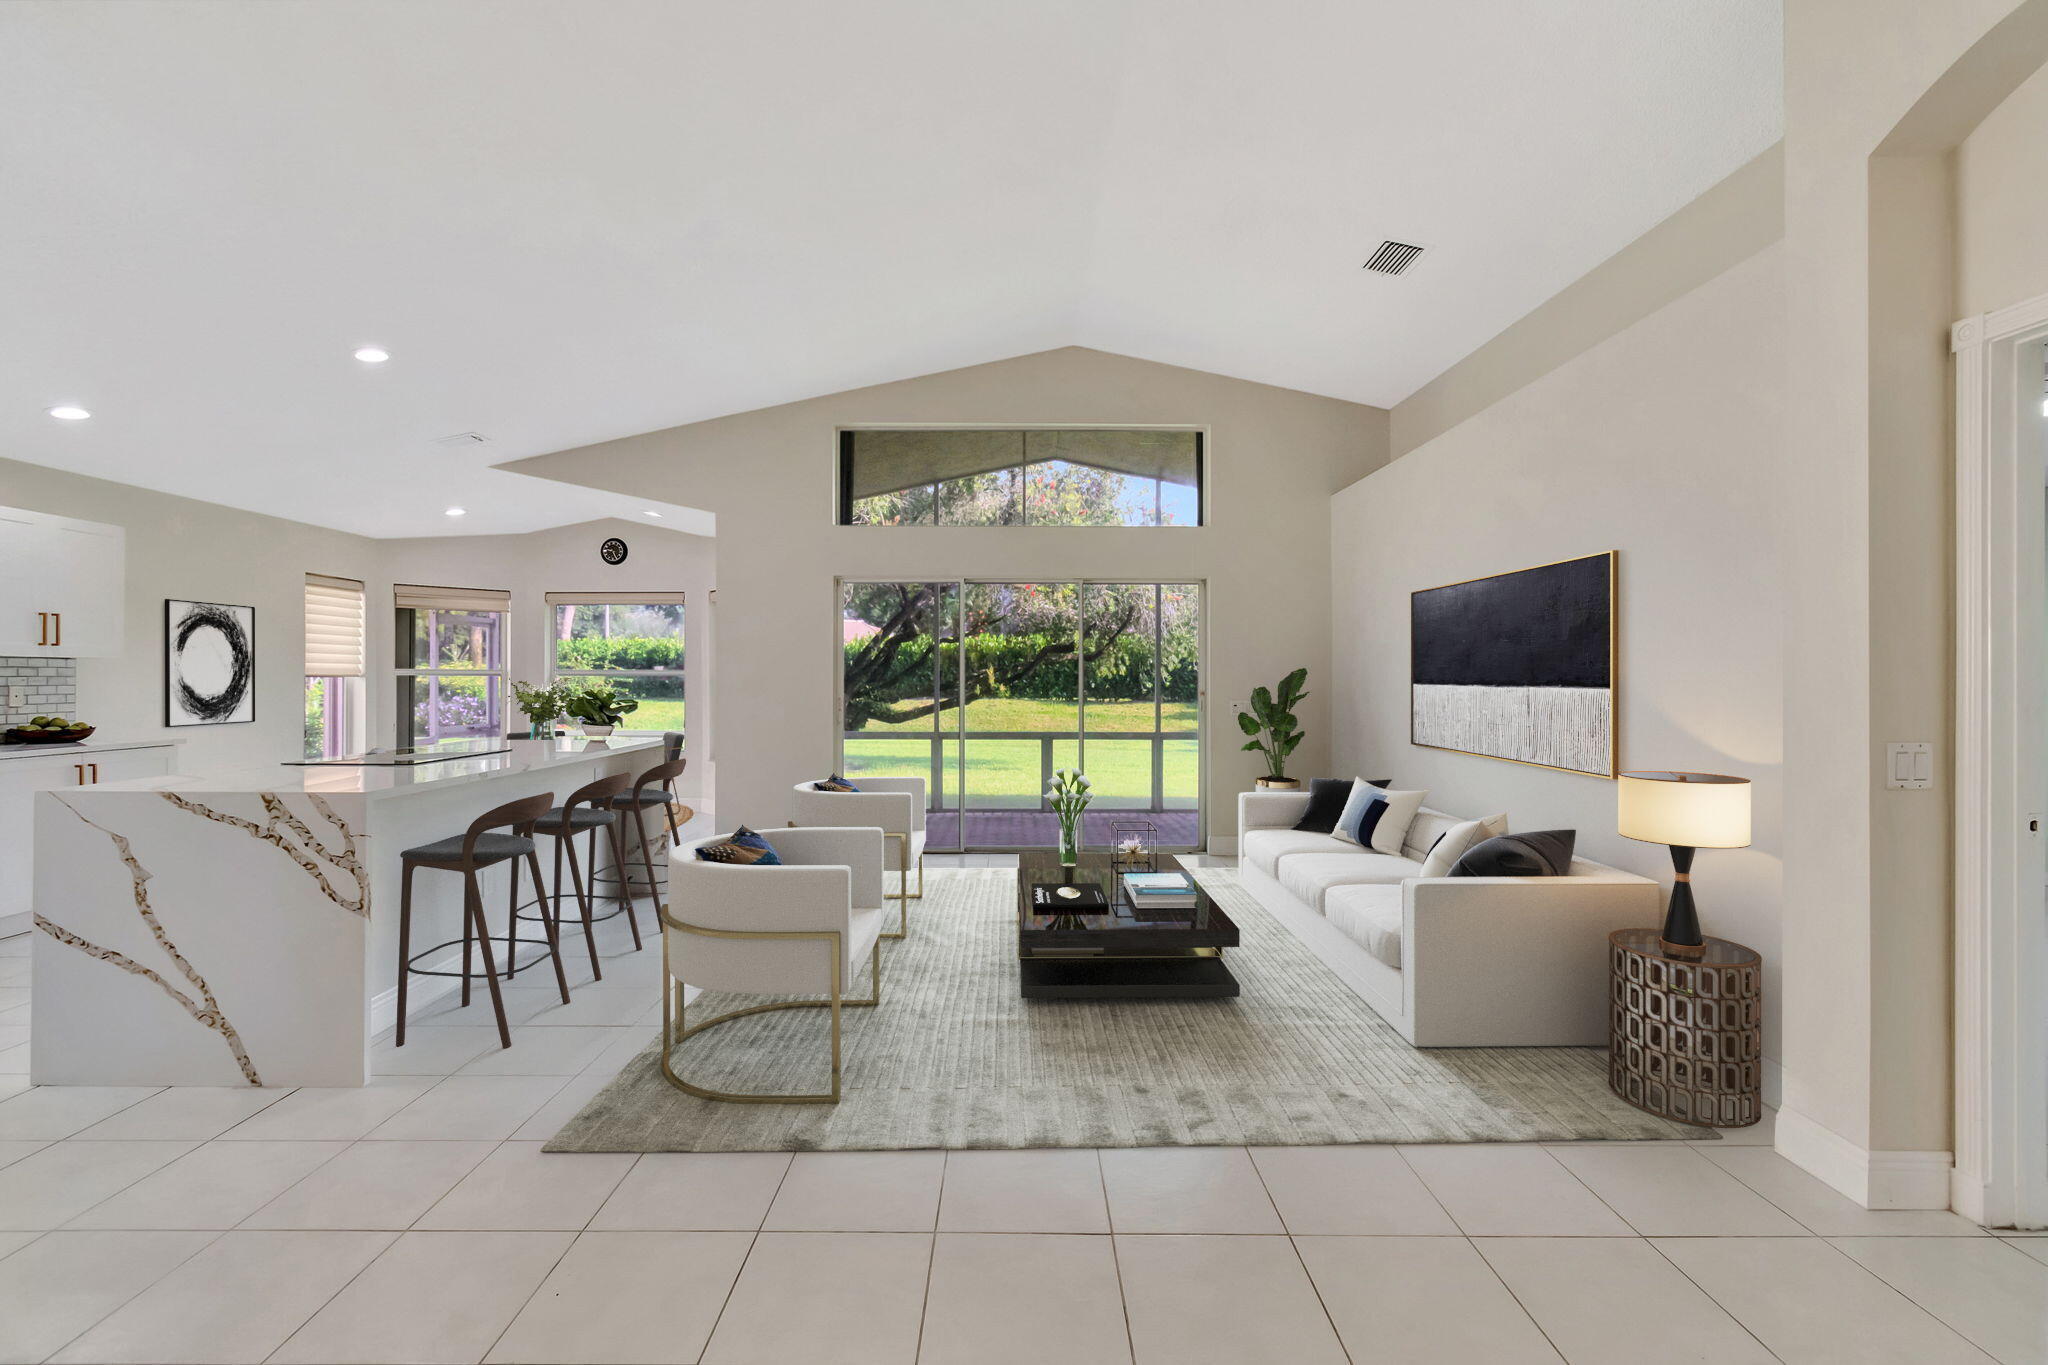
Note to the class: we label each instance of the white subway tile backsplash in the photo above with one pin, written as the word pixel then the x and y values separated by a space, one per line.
pixel 49 686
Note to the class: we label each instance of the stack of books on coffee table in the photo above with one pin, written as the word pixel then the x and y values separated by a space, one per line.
pixel 1159 890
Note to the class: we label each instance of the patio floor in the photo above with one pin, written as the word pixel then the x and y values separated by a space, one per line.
pixel 1041 829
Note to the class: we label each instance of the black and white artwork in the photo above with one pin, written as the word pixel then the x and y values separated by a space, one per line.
pixel 1518 665
pixel 209 663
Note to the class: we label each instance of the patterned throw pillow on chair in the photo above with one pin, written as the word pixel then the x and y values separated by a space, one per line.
pixel 834 783
pixel 742 847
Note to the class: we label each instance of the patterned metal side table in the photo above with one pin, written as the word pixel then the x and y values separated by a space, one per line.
pixel 1686 1039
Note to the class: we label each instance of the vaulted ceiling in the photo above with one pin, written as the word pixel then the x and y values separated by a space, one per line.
pixel 571 220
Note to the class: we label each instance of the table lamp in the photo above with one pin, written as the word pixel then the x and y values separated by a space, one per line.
pixel 1686 811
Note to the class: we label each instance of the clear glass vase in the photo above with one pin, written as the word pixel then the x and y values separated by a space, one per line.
pixel 1070 843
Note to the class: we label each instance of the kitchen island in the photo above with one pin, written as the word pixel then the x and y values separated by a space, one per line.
pixel 241 928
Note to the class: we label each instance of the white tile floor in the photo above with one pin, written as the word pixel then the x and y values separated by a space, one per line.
pixel 418 1220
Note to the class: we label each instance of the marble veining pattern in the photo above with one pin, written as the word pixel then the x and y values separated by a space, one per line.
pixel 280 814
pixel 206 1009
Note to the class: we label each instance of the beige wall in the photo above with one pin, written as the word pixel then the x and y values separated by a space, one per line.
pixel 2002 204
pixel 200 551
pixel 1728 224
pixel 1868 660
pixel 1274 457
pixel 180 547
pixel 1664 443
pixel 565 559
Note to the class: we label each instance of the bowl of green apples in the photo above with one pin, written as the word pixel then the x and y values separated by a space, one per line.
pixel 49 730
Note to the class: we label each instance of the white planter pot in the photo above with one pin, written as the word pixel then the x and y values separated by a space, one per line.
pixel 596 731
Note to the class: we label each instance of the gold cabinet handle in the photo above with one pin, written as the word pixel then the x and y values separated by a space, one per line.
pixel 43 619
pixel 58 617
pixel 79 768
pixel 95 773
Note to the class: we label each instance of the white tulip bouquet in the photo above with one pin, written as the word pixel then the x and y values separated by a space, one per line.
pixel 1069 796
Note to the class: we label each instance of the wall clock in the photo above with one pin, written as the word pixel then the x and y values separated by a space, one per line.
pixel 613 551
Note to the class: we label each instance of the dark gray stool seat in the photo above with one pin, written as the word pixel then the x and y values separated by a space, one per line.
pixel 646 798
pixel 489 849
pixel 578 818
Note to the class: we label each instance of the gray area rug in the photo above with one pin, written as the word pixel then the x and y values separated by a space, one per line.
pixel 954 1058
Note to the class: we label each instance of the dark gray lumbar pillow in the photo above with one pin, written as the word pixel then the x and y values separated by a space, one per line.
pixel 1540 853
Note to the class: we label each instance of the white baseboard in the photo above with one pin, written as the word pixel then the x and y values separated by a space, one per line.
pixel 1876 1180
pixel 1773 1084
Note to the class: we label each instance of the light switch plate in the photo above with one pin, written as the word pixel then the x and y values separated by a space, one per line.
pixel 1909 765
pixel 17 697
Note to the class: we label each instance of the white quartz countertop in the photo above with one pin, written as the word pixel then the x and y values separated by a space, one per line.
pixel 84 746
pixel 526 756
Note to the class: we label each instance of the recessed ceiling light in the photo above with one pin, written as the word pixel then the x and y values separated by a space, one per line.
pixel 458 511
pixel 373 355
pixel 66 412
pixel 650 512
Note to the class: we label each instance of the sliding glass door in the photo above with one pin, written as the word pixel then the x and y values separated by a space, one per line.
pixel 984 688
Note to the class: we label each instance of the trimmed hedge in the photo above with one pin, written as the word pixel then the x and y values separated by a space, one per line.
pixel 1122 673
pixel 623 651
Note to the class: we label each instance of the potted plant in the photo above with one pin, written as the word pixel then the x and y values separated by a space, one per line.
pixel 1274 731
pixel 1069 796
pixel 597 707
pixel 542 707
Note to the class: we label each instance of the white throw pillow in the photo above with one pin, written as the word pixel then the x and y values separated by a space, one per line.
pixel 1492 827
pixel 1363 793
pixel 1451 847
pixel 1392 830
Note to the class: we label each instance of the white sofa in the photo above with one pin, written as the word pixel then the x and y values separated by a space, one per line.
pixel 1449 961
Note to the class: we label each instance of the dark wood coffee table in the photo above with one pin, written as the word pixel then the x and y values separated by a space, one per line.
pixel 1127 954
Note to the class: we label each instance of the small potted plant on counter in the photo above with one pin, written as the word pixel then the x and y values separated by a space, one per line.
pixel 597 707
pixel 1274 731
pixel 543 706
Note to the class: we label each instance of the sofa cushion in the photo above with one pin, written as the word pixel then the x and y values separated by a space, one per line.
pixel 1326 799
pixel 1450 846
pixel 1539 853
pixel 1306 876
pixel 1369 916
pixel 1429 825
pixel 1263 848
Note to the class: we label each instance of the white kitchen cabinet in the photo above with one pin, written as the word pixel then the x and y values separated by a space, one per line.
pixel 63 586
pixel 25 772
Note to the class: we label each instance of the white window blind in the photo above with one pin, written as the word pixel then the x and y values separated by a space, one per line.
pixel 617 597
pixel 334 627
pixel 420 597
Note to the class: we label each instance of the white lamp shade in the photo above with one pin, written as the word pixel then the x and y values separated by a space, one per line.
pixel 1692 810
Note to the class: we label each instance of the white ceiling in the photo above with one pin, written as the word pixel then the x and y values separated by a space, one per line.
pixel 571 220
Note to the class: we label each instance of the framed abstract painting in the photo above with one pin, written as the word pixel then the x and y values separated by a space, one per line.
pixel 1518 665
pixel 209 663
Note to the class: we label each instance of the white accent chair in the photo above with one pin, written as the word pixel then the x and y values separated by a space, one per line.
pixel 896 804
pixel 800 928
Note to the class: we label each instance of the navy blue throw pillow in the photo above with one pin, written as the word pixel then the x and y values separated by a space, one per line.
pixel 1541 853
pixel 1326 798
pixel 742 848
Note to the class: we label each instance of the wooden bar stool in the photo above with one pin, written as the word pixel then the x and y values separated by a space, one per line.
pixel 588 809
pixel 655 788
pixel 469 853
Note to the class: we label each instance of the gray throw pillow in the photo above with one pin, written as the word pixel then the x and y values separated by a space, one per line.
pixel 1539 853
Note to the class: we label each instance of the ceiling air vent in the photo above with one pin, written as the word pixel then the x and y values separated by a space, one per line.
pixel 461 440
pixel 1393 257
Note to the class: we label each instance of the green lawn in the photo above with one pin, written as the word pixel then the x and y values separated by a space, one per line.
pixel 1006 773
pixel 655 715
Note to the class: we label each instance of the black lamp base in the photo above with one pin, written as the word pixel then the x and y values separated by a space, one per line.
pixel 1681 935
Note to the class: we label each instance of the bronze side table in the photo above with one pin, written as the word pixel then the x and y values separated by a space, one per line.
pixel 1686 1036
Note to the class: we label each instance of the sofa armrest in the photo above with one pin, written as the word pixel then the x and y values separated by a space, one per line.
pixel 1270 810
pixel 858 848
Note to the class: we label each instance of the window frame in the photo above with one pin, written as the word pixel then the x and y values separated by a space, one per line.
pixel 503 673
pixel 341 704
pixel 843 500
pixel 554 672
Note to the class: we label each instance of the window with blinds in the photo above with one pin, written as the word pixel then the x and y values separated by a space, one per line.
pixel 334 664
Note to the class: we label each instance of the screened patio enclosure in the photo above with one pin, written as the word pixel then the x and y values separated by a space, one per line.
pixel 985 688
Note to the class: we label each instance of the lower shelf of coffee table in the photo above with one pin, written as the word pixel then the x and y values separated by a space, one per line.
pixel 1125 978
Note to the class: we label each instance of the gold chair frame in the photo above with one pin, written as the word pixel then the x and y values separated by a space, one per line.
pixel 675 1027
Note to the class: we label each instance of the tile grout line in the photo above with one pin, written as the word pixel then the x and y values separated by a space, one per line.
pixel 1300 1260
pixel 752 1242
pixel 1651 1242
pixel 1935 1317
pixel 1116 1259
pixel 931 1255
pixel 144 1289
pixel 1542 1331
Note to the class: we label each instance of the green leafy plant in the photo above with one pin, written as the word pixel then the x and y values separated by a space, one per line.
pixel 599 703
pixel 541 704
pixel 1271 724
